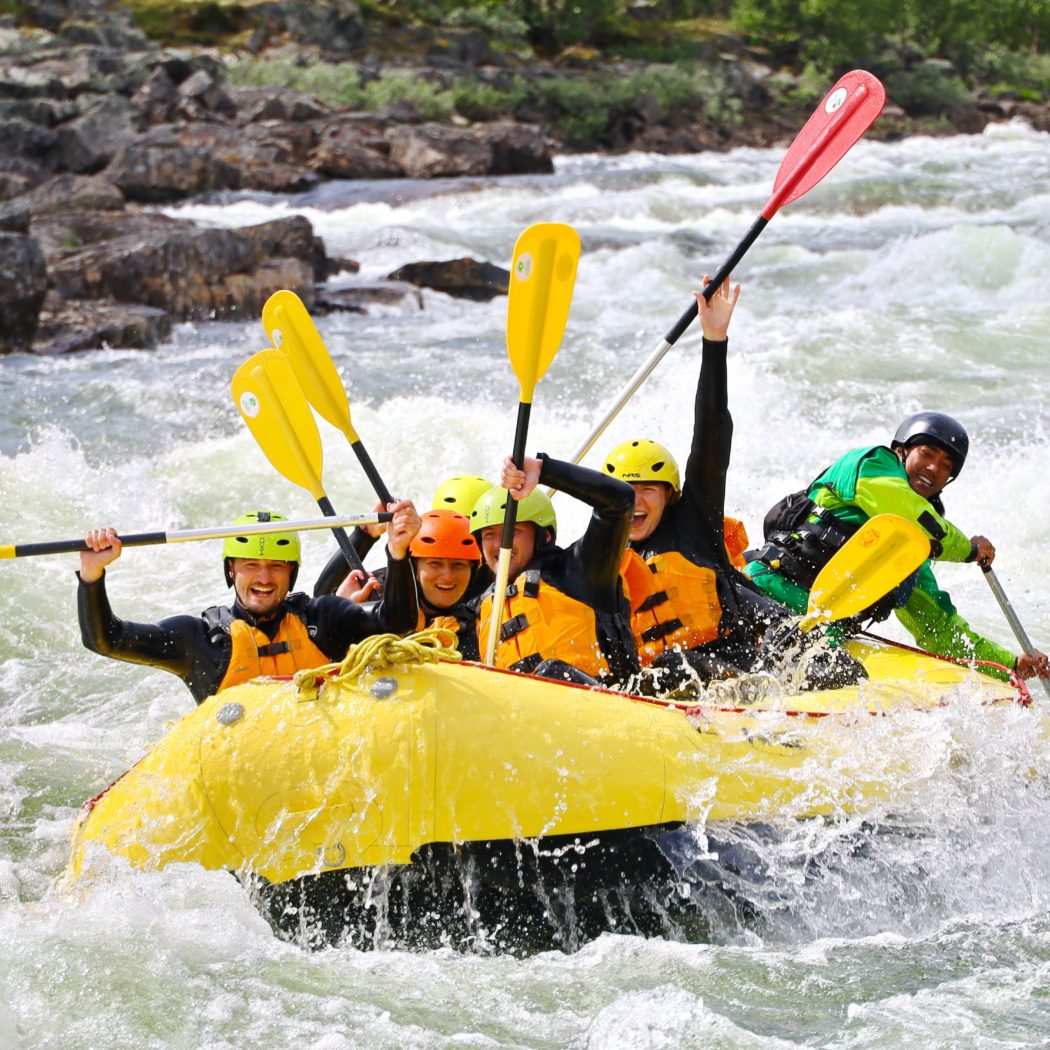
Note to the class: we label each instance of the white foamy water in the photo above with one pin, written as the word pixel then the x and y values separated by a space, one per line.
pixel 914 276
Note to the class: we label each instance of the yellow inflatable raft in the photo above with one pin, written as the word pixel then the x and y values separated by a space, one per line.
pixel 283 780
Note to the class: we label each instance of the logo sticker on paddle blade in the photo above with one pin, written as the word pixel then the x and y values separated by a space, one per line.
pixel 249 404
pixel 835 100
pixel 523 267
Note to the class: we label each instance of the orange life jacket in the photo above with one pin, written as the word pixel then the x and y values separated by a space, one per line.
pixel 542 623
pixel 255 655
pixel 736 541
pixel 674 603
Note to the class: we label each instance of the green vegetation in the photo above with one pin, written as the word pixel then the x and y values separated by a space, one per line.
pixel 984 40
pixel 583 110
pixel 931 54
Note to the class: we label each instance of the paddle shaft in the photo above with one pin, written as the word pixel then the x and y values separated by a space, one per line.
pixel 148 539
pixel 1011 616
pixel 824 149
pixel 352 557
pixel 510 520
pixel 670 339
pixel 373 475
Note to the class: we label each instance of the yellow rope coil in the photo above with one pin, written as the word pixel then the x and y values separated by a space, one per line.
pixel 433 645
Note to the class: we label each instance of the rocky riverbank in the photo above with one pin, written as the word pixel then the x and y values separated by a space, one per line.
pixel 99 126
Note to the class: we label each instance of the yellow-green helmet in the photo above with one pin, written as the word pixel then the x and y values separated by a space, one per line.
pixel 643 460
pixel 491 509
pixel 460 493
pixel 274 546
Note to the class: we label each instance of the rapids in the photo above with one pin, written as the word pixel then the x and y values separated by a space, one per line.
pixel 914 276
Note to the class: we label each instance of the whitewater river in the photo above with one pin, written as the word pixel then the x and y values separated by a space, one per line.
pixel 915 276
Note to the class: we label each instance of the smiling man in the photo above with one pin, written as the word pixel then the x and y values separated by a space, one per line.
pixel 267 630
pixel 806 529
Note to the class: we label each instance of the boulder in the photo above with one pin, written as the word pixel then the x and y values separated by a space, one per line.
pixel 67 325
pixel 158 98
pixel 345 152
pixel 88 143
pixel 276 103
pixel 357 297
pixel 205 88
pixel 461 278
pixel 24 140
pixel 156 174
pixel 517 149
pixel 431 150
pixel 74 193
pixel 195 273
pixel 23 284
pixel 14 217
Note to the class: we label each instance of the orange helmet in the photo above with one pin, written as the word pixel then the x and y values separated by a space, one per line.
pixel 445 534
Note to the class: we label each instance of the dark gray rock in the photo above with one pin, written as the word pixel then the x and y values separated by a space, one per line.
pixel 461 278
pixel 196 273
pixel 157 98
pixel 261 103
pixel 23 284
pixel 20 138
pixel 356 298
pixel 348 152
pixel 75 193
pixel 432 150
pixel 517 149
pixel 14 217
pixel 155 174
pixel 47 112
pixel 13 184
pixel 88 143
pixel 69 325
pixel 205 88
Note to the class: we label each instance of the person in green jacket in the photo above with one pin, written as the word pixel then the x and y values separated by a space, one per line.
pixel 805 530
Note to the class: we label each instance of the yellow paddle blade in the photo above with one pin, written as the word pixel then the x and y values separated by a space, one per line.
pixel 542 276
pixel 292 330
pixel 273 405
pixel 885 551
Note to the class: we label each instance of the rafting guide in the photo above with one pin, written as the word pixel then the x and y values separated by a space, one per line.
pixel 804 530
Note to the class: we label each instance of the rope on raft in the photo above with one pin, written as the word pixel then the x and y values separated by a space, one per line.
pixel 431 646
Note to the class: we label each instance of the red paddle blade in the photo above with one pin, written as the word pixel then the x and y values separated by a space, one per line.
pixel 849 109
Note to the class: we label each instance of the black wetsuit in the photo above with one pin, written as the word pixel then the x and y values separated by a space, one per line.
pixel 694 524
pixel 589 568
pixel 192 648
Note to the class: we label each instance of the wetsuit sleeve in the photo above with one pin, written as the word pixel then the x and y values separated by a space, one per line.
pixel 593 570
pixel 704 483
pixel 884 494
pixel 338 568
pixel 169 645
pixel 932 620
pixel 341 623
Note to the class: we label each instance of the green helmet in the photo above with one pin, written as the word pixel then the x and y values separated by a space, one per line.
pixel 460 493
pixel 491 509
pixel 274 546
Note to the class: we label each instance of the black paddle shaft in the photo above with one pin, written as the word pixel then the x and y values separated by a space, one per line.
pixel 373 475
pixel 728 266
pixel 352 557
pixel 521 434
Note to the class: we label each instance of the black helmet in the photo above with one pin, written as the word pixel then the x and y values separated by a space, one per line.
pixel 934 428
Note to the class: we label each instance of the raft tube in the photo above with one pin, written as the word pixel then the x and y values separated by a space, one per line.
pixel 300 791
